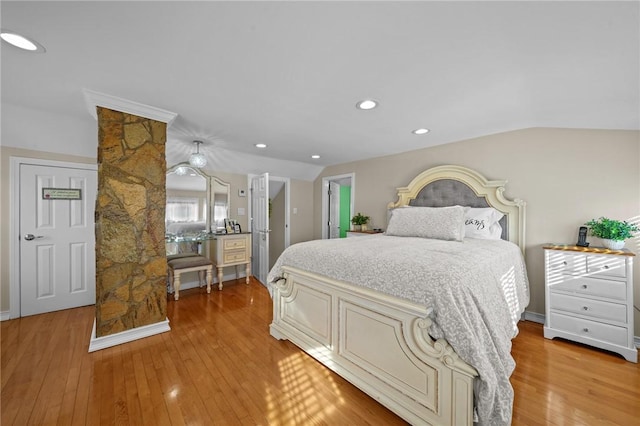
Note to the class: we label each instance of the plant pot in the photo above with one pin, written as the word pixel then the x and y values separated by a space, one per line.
pixel 364 227
pixel 357 227
pixel 613 244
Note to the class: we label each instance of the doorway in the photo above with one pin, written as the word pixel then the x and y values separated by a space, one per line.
pixel 268 241
pixel 52 234
pixel 338 196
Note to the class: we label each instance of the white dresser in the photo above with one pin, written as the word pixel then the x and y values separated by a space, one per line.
pixel 589 297
pixel 232 250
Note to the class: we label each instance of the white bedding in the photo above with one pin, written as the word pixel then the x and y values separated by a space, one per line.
pixel 477 289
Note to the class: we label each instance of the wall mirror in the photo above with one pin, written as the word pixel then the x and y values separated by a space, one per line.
pixel 196 202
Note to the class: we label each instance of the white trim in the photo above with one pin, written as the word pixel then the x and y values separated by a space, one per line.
pixel 5 315
pixel 325 198
pixel 98 343
pixel 94 99
pixel 636 341
pixel 14 218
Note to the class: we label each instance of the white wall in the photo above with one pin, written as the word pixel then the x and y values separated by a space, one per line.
pixel 36 130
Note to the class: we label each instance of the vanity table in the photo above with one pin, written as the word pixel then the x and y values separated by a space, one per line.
pixel 197 206
pixel 223 250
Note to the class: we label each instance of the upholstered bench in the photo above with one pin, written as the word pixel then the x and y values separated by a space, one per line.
pixel 188 262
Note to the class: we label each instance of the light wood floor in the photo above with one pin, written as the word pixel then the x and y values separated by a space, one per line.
pixel 219 365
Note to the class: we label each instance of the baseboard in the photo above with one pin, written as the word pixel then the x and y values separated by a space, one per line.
pixel 539 318
pixel 533 317
pixel 193 282
pixel 98 343
pixel 5 315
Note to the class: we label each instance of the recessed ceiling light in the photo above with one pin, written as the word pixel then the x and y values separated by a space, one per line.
pixel 420 131
pixel 315 156
pixel 21 42
pixel 367 104
pixel 261 145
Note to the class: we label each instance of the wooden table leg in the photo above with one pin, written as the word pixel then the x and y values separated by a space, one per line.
pixel 220 270
pixel 176 284
pixel 247 272
pixel 209 278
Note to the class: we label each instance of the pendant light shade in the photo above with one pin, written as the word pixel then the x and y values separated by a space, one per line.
pixel 197 159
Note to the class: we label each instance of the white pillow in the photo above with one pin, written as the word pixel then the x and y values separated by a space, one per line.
pixel 482 223
pixel 442 223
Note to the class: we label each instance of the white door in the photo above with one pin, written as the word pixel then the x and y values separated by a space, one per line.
pixel 260 226
pixel 334 210
pixel 57 240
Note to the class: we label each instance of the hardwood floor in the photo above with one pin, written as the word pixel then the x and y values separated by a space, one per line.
pixel 220 366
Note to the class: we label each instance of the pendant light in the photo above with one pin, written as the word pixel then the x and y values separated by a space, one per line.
pixel 197 159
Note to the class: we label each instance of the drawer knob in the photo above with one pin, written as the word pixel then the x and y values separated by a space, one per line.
pixel 564 263
pixel 585 308
pixel 584 286
pixel 606 266
pixel 586 330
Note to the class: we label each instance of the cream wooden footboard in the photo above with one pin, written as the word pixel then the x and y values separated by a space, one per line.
pixel 377 342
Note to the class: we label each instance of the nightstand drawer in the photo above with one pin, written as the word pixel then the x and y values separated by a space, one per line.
pixel 234 243
pixel 608 266
pixel 590 329
pixel 595 309
pixel 565 263
pixel 590 287
pixel 234 256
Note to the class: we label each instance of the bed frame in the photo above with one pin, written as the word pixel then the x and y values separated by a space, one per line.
pixel 380 343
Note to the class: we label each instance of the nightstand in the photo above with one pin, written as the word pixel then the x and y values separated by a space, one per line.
pixel 589 297
pixel 351 234
pixel 232 250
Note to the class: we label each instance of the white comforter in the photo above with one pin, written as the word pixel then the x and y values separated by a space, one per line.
pixel 477 289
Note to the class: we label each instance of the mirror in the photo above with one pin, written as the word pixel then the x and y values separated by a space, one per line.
pixel 220 200
pixel 196 202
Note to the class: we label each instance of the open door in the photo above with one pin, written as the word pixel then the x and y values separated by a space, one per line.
pixel 334 210
pixel 337 204
pixel 260 226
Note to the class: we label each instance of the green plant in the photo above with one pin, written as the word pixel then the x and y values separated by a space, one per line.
pixel 611 229
pixel 360 219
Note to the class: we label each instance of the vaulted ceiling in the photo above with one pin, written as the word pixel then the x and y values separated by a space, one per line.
pixel 289 74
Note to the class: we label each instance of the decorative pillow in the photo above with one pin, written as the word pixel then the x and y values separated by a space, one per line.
pixel 482 223
pixel 442 223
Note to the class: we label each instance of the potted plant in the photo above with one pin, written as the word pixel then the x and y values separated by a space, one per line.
pixel 359 222
pixel 612 232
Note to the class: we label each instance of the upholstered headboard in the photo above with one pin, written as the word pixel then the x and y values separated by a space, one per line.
pixel 450 185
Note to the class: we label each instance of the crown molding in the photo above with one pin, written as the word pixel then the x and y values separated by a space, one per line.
pixel 94 99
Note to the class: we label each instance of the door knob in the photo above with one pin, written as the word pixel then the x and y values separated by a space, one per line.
pixel 30 237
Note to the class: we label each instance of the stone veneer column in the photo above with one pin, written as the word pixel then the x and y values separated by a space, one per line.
pixel 131 265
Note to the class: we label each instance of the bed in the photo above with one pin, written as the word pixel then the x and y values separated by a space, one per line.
pixel 386 311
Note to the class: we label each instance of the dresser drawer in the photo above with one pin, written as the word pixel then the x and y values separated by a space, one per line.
pixel 590 329
pixel 234 243
pixel 566 263
pixel 591 287
pixel 606 266
pixel 234 256
pixel 596 309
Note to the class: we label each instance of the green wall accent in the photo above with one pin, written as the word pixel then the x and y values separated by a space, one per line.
pixel 345 210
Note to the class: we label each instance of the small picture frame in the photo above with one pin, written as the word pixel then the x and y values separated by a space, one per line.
pixel 237 229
